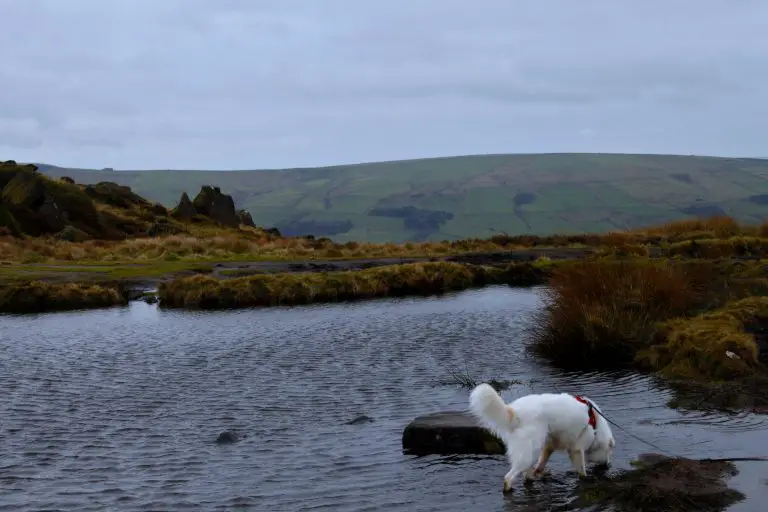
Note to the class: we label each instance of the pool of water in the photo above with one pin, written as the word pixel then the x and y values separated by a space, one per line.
pixel 119 409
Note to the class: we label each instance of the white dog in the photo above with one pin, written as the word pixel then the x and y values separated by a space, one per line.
pixel 542 424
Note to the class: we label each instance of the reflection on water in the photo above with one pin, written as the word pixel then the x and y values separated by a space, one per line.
pixel 119 409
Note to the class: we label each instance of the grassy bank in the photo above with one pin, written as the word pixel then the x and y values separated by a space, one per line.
pixel 205 292
pixel 38 297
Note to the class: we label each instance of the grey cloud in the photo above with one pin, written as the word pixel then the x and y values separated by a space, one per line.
pixel 244 84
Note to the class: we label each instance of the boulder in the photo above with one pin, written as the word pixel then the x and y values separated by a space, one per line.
pixel 67 179
pixel 245 218
pixel 52 215
pixel 217 206
pixel 185 210
pixel 159 209
pixel 450 432
pixel 115 195
pixel 25 190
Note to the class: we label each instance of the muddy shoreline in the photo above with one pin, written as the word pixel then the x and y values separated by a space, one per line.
pixel 231 269
pixel 238 268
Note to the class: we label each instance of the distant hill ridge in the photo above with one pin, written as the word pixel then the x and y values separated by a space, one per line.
pixel 472 196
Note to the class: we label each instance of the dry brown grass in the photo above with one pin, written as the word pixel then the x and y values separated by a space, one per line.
pixel 713 248
pixel 243 244
pixel 716 237
pixel 600 313
pixel 712 227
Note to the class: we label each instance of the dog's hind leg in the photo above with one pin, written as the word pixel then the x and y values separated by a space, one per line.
pixel 521 453
pixel 579 461
pixel 546 453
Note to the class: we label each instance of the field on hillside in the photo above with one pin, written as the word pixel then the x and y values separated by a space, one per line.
pixel 472 196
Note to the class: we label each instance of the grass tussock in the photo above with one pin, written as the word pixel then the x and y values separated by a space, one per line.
pixel 602 312
pixel 205 292
pixel 718 345
pixel 36 296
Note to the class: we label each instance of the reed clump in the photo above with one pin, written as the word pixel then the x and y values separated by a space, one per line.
pixel 601 312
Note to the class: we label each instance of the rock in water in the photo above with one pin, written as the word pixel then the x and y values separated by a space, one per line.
pixel 227 437
pixel 665 483
pixel 360 420
pixel 450 432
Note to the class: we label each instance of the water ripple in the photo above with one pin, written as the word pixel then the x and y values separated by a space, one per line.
pixel 120 409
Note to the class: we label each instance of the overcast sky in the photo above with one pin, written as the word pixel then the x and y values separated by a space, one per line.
pixel 222 84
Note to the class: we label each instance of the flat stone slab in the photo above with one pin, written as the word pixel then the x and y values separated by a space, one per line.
pixel 447 433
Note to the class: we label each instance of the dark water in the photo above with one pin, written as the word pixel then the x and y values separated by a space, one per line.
pixel 119 409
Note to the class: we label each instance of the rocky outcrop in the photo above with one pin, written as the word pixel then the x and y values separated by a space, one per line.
pixel 185 210
pixel 217 206
pixel 212 203
pixel 159 209
pixel 245 218
pixel 447 433
pixel 34 204
pixel 42 206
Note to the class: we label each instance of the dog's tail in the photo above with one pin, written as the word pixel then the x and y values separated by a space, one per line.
pixel 488 407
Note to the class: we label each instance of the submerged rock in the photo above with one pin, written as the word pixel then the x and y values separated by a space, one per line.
pixel 228 437
pixel 360 420
pixel 450 432
pixel 665 483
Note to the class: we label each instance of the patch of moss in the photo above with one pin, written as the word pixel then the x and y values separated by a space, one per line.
pixel 25 191
pixel 714 346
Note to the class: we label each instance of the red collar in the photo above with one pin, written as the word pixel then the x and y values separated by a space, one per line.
pixel 591 412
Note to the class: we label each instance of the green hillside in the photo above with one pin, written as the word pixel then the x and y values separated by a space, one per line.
pixel 472 196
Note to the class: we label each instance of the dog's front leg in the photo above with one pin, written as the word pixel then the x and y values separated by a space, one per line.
pixel 579 461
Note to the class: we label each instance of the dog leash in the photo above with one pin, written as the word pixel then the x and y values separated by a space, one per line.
pixel 662 450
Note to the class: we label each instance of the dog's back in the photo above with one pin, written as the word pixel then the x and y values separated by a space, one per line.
pixel 564 417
